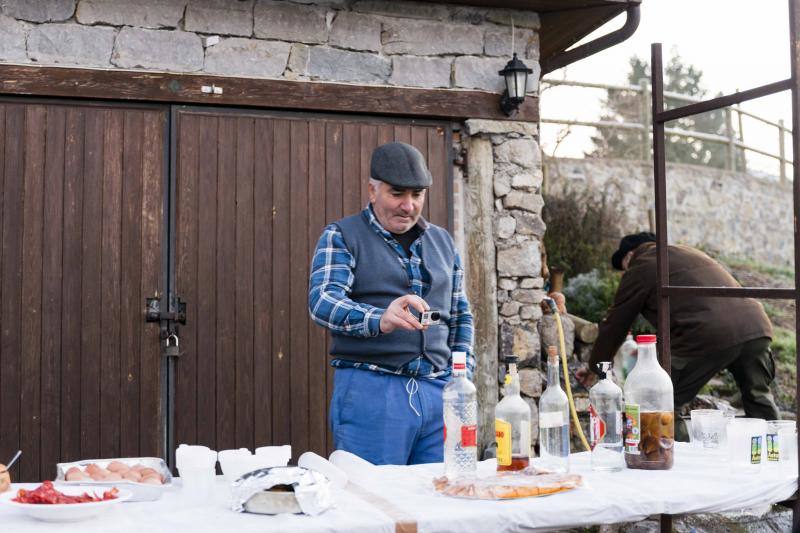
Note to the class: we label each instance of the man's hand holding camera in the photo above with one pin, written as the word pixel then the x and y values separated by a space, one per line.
pixel 399 316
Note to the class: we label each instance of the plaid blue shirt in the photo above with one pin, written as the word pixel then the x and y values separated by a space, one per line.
pixel 330 306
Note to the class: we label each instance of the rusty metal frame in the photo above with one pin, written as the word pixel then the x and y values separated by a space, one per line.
pixel 664 289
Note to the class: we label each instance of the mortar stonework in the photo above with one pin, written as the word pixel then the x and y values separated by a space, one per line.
pixel 381 42
pixel 361 42
pixel 727 213
pixel 516 178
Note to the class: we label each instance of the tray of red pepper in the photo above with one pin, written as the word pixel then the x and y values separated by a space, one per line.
pixel 63 504
pixel 47 493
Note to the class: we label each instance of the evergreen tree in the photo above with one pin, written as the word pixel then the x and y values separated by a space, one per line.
pixel 626 106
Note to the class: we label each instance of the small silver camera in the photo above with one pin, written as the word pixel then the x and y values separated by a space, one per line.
pixel 429 318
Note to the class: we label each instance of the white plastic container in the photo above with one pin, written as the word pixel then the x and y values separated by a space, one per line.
pixel 235 463
pixel 746 443
pixel 197 468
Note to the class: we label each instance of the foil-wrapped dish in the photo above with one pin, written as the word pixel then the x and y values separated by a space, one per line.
pixel 146 477
pixel 281 489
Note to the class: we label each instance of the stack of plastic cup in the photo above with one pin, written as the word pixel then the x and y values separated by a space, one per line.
pixel 746 443
pixel 197 468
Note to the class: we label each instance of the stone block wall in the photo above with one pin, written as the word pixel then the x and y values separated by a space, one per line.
pixel 503 191
pixel 728 213
pixel 380 42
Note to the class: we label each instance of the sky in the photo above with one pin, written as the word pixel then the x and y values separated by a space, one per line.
pixel 737 44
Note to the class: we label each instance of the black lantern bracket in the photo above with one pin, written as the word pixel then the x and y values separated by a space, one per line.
pixel 515 74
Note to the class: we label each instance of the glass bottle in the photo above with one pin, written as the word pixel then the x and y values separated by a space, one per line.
pixel 649 411
pixel 628 351
pixel 553 420
pixel 512 424
pixel 605 422
pixel 460 421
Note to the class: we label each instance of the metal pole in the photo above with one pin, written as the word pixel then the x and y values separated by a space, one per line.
pixel 782 150
pixel 794 37
pixel 662 260
pixel 659 174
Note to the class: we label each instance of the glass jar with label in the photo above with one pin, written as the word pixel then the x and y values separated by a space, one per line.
pixel 649 411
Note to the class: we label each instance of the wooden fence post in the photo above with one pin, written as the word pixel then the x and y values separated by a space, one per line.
pixel 741 136
pixel 730 161
pixel 644 113
pixel 782 150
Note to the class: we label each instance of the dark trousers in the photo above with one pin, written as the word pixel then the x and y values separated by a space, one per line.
pixel 752 366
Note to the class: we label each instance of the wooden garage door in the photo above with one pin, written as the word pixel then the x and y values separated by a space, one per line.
pixel 253 194
pixel 81 232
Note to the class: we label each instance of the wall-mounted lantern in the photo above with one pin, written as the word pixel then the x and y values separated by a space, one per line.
pixel 516 75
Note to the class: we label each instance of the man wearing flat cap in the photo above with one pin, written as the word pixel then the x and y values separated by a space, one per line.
pixel 707 335
pixel 372 275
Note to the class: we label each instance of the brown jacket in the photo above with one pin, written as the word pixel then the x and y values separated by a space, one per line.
pixel 698 325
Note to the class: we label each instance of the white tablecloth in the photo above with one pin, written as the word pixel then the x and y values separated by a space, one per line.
pixel 697 483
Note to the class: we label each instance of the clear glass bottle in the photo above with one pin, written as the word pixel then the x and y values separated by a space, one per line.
pixel 605 422
pixel 460 421
pixel 628 351
pixel 649 411
pixel 512 424
pixel 553 420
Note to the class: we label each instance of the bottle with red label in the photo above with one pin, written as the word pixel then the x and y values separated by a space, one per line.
pixel 605 422
pixel 460 422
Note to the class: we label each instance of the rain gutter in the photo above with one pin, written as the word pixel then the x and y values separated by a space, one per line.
pixel 597 45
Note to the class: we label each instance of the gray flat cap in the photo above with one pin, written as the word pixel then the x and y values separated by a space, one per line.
pixel 401 165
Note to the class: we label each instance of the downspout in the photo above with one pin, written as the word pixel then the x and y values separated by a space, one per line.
pixel 592 47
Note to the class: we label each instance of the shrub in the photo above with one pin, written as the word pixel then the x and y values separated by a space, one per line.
pixel 590 295
pixel 583 230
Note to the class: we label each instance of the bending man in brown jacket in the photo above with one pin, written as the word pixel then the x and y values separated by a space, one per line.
pixel 706 334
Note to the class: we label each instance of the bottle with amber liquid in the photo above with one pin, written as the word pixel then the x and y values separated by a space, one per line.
pixel 512 424
pixel 649 411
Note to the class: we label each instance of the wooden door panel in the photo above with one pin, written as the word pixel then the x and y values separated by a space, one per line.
pixel 255 191
pixel 81 191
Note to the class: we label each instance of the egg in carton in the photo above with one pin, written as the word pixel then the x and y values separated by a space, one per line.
pixel 146 477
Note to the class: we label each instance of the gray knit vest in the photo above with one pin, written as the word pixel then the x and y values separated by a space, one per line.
pixel 380 278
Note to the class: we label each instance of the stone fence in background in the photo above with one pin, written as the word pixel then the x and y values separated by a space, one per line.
pixel 728 213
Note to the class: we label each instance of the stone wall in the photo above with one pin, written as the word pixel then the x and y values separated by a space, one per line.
pixel 379 42
pixel 504 202
pixel 728 213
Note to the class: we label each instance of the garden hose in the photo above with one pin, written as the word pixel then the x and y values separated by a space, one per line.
pixel 567 386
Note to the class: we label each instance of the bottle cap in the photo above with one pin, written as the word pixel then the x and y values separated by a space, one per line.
pixel 604 367
pixel 552 354
pixel 646 339
pixel 459 360
pixel 511 359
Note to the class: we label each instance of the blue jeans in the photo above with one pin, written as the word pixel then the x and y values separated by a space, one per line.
pixel 386 418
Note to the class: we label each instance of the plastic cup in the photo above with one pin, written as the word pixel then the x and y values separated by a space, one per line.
pixel 197 470
pixel 712 429
pixel 781 441
pixel 746 443
pixel 696 428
